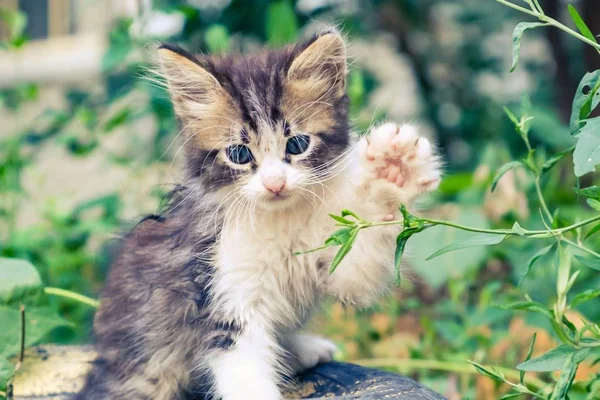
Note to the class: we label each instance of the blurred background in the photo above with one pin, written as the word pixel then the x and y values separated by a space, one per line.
pixel 87 148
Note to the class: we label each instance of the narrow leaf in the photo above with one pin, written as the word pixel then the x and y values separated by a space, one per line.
pixel 552 161
pixel 341 220
pixel 529 352
pixel 503 170
pixel 511 395
pixel 518 36
pixel 595 204
pixel 541 252
pixel 343 251
pixel 592 231
pixel 583 28
pixel 484 371
pixel 565 379
pixel 480 239
pixel 593 263
pixel 400 245
pixel 552 360
pixel 533 306
pixel 563 265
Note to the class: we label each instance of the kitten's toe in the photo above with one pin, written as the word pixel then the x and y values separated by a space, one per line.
pixel 309 351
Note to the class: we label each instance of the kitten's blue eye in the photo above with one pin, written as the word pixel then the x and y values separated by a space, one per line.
pixel 297 144
pixel 239 154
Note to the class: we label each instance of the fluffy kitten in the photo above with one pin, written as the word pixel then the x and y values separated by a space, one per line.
pixel 206 300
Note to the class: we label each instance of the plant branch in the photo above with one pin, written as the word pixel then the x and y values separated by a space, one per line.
pixel 526 232
pixel 71 295
pixel 545 208
pixel 544 18
pixel 402 364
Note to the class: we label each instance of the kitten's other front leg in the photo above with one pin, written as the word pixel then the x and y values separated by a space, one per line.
pixel 394 166
pixel 247 371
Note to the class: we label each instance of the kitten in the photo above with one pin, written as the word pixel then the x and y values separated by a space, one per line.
pixel 205 301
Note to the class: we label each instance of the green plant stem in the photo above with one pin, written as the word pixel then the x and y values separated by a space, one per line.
pixel 526 232
pixel 72 295
pixel 551 21
pixel 402 364
pixel 543 204
pixel 580 247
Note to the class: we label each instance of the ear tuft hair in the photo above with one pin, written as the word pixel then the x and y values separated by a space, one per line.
pixel 321 59
pixel 189 83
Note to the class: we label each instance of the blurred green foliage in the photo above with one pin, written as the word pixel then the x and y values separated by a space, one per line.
pixel 449 308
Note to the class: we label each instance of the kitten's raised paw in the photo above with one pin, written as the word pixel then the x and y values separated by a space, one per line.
pixel 308 350
pixel 400 156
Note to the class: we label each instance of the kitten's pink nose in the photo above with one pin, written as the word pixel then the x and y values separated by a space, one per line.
pixel 274 184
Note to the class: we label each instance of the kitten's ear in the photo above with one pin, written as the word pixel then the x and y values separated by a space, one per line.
pixel 322 62
pixel 191 86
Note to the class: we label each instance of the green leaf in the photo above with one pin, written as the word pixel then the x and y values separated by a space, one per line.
pixel 566 377
pixel 479 239
pixel 552 161
pixel 518 36
pixel 583 28
pixel 529 352
pixel 587 149
pixel 6 372
pixel 586 99
pixel 592 231
pixel 593 192
pixel 513 118
pixel 18 280
pixel 120 118
pixel 532 306
pixel 38 323
pixel 585 296
pixel 595 204
pixel 593 263
pixel 484 371
pixel 503 170
pixel 400 245
pixel 341 220
pixel 343 251
pixel 217 39
pixel 516 228
pixel 282 24
pixel 563 265
pixel 346 212
pixel 339 237
pixel 540 253
pixel 511 396
pixel 553 360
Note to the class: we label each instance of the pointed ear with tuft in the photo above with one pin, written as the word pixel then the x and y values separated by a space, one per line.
pixel 191 86
pixel 322 63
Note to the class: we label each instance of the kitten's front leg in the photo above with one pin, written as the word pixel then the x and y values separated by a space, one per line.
pixel 247 371
pixel 394 166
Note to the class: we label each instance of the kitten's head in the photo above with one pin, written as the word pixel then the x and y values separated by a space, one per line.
pixel 271 126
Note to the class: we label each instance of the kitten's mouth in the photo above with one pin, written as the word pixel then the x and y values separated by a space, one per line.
pixel 279 197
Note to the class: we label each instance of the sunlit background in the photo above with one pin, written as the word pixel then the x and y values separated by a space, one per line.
pixel 87 147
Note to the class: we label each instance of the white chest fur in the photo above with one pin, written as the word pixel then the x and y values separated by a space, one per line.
pixel 258 276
